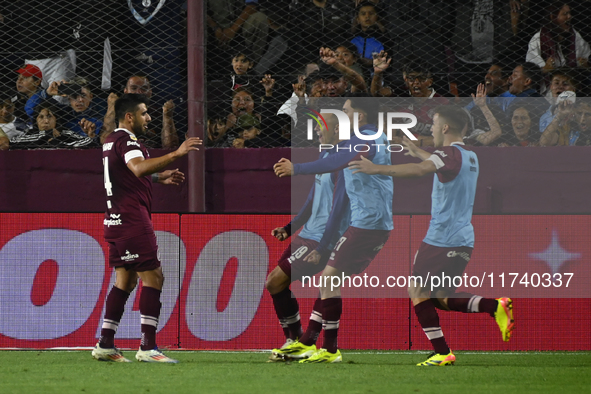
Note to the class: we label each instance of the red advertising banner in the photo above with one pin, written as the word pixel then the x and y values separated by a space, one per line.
pixel 54 279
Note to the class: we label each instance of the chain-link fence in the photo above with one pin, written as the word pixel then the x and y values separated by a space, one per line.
pixel 268 60
pixel 101 49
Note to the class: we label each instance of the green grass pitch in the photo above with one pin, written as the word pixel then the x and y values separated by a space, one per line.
pixel 248 372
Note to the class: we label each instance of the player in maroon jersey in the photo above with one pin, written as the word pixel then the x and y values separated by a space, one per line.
pixel 133 252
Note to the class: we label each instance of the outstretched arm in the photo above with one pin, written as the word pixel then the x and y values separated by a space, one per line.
pixel 143 167
pixel 410 170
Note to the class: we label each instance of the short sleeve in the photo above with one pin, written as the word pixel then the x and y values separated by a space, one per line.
pixel 448 161
pixel 129 148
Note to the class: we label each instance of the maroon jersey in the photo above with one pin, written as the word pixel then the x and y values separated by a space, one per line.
pixel 129 198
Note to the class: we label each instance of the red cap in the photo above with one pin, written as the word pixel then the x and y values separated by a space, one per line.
pixel 30 70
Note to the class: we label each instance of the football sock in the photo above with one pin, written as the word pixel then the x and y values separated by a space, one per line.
pixel 314 325
pixel 115 306
pixel 429 321
pixel 288 312
pixel 150 312
pixel 469 303
pixel 332 308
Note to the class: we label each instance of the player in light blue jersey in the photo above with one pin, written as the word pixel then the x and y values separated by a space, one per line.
pixel 324 216
pixel 371 222
pixel 448 245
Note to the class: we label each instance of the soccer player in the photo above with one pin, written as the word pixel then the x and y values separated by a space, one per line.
pixel 133 252
pixel 449 242
pixel 325 216
pixel 370 225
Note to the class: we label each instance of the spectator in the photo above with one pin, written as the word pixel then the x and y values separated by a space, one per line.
pixel 523 123
pixel 482 30
pixel 49 134
pixel 243 103
pixel 85 113
pixel 485 135
pixel 227 18
pixel 557 44
pixel 27 84
pixel 216 129
pixel 11 125
pixel 562 81
pixel 299 90
pixel 248 133
pixel 339 75
pixel 369 33
pixel 425 99
pixel 570 127
pixel 380 88
pixel 525 80
pixel 161 120
pixel 346 53
pixel 319 23
pixel 241 63
pixel 498 98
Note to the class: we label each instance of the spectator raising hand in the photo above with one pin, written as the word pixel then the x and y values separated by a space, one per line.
pixel 268 83
pixel 381 62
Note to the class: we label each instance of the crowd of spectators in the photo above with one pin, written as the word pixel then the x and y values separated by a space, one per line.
pixel 521 70
pixel 512 64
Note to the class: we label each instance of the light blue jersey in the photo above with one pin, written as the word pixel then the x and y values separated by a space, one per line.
pixel 321 206
pixel 326 212
pixel 371 195
pixel 452 199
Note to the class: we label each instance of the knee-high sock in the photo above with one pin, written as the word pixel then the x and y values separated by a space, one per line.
pixel 332 308
pixel 429 321
pixel 314 326
pixel 288 313
pixel 470 303
pixel 150 312
pixel 115 306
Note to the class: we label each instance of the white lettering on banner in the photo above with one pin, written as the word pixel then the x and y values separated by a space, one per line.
pixel 81 263
pixel 174 263
pixel 202 317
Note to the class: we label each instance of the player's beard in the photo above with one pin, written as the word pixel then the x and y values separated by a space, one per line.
pixel 138 128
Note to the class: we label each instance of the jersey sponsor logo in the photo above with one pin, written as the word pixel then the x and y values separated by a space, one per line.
pixel 440 153
pixel 112 222
pixel 129 257
pixel 133 143
pixel 107 146
pixel 114 216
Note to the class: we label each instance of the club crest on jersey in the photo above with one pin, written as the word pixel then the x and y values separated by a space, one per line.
pixel 144 10
pixel 133 137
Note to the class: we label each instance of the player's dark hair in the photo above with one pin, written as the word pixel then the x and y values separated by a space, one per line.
pixel 363 102
pixel 129 102
pixel 455 117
